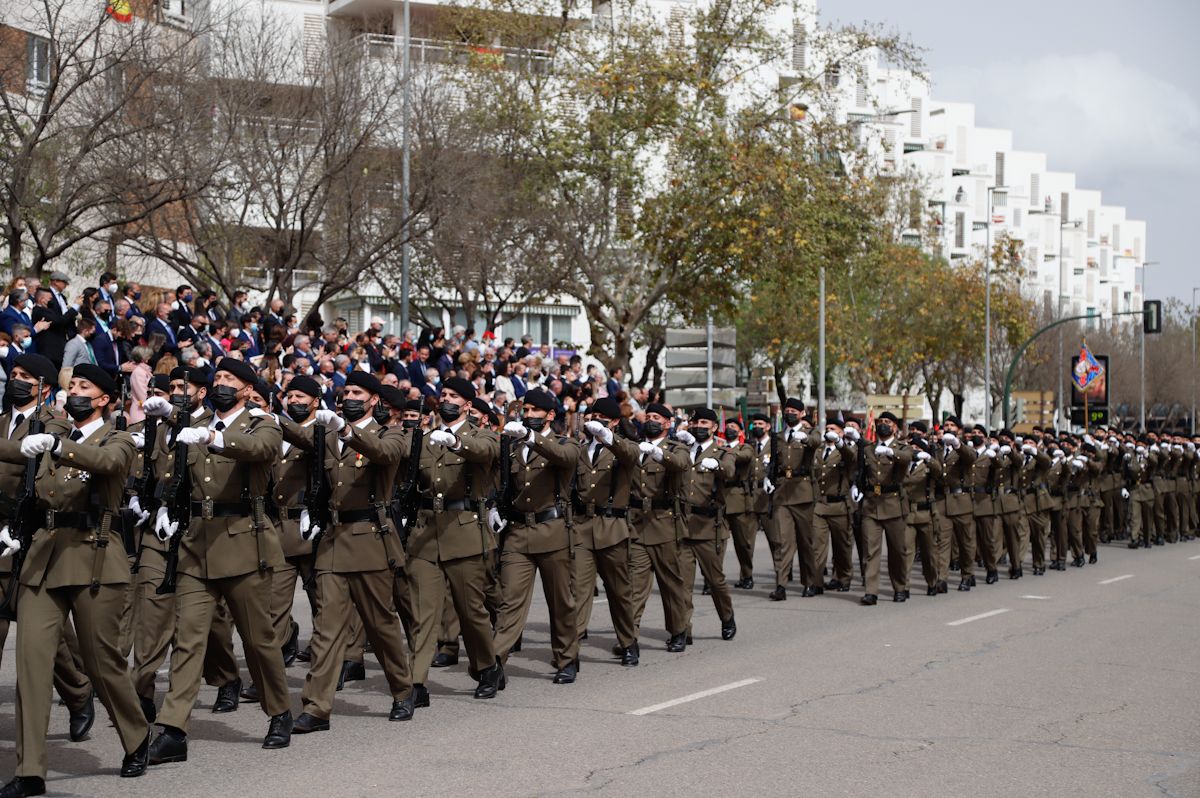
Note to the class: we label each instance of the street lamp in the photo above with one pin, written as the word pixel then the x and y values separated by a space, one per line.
pixel 1194 290
pixel 406 145
pixel 1062 271
pixel 987 309
pixel 1143 345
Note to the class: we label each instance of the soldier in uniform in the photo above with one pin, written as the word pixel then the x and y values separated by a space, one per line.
pixel 922 527
pixel 1138 473
pixel 539 538
pixel 702 489
pixel 1091 502
pixel 833 470
pixel 956 511
pixel 75 564
pixel 1164 486
pixel 605 471
pixel 357 554
pixel 984 476
pixel 1057 480
pixel 451 543
pixel 883 508
pixel 741 498
pixel 792 498
pixel 70 681
pixel 228 552
pixel 1035 474
pixel 1008 502
pixel 657 526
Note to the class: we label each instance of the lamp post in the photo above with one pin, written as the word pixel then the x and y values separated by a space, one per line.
pixel 987 310
pixel 1062 296
pixel 1194 290
pixel 406 250
pixel 1142 412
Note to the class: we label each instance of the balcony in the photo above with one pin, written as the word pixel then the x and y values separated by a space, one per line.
pixel 447 53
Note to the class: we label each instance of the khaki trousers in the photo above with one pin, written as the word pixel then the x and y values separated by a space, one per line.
pixel 706 554
pixel 516 584
pixel 612 565
pixel 1016 537
pixel 743 529
pixel 369 593
pixel 658 562
pixel 468 579
pixel 41 615
pixel 1036 524
pixel 248 598
pixel 925 536
pixel 874 532
pixel 794 530
pixel 835 530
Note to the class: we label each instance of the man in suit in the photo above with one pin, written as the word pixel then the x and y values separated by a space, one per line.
pixel 883 508
pixel 53 325
pixel 76 564
pixel 161 325
pixel 16 312
pixel 181 308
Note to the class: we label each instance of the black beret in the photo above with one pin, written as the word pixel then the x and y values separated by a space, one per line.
pixel 888 415
pixel 413 404
pixel 835 421
pixel 96 376
pixel 736 421
pixel 542 400
pixel 196 376
pixel 462 387
pixel 955 420
pixel 760 417
pixel 980 429
pixel 261 388
pixel 393 397
pixel 704 414
pixel 305 384
pixel 660 409
pixel 365 380
pixel 1089 447
pixel 482 406
pixel 238 368
pixel 1006 432
pixel 161 382
pixel 919 426
pixel 794 404
pixel 921 443
pixel 607 406
pixel 39 366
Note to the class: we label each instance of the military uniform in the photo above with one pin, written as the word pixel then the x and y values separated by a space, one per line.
pixel 1035 496
pixel 1139 472
pixel 702 492
pixel 1009 508
pixel 1058 480
pixel 833 472
pixel 746 505
pixel 921 522
pixel 289 488
pixel 956 509
pixel 793 501
pixel 883 515
pixel 984 476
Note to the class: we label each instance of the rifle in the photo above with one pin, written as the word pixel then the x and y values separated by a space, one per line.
pixel 405 499
pixel 316 499
pixel 142 483
pixel 176 497
pixel 122 421
pixel 773 473
pixel 26 517
pixel 512 412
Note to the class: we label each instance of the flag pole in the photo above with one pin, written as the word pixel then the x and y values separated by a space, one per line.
pixel 1086 418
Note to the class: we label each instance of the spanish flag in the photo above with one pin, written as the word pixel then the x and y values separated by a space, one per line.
pixel 120 10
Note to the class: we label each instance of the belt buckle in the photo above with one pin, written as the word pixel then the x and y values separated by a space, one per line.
pixel 50 519
pixel 647 505
pixel 333 517
pixel 206 509
pixel 878 490
pixel 530 519
pixel 787 473
pixel 439 503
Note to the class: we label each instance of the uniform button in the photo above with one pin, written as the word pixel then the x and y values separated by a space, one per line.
pixel 339 484
pixel 208 459
pixel 51 493
pixel 439 495
pixel 279 498
pixel 341 464
pixel 208 479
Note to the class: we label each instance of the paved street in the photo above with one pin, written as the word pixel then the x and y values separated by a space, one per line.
pixel 1078 683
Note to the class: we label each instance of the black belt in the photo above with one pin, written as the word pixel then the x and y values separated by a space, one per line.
pixel 924 505
pixel 439 505
pixel 835 499
pixel 981 491
pixel 351 516
pixel 1072 490
pixel 59 519
pixel 703 511
pixel 293 513
pixel 529 519
pixel 209 509
pixel 884 489
pixel 1056 494
pixel 939 494
pixel 1011 491
pixel 1031 491
pixel 799 472
pixel 957 491
pixel 654 504
pixel 605 512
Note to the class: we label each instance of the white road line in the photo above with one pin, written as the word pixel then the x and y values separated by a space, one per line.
pixel 978 617
pixel 1197 557
pixel 1038 598
pixel 693 697
pixel 600 601
pixel 1115 579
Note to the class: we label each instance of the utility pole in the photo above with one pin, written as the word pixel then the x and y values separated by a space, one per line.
pixel 406 250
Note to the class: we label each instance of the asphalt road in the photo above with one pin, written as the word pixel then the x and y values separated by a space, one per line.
pixel 1081 683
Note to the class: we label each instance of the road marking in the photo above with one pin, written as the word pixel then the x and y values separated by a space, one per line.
pixel 600 601
pixel 1115 579
pixel 978 617
pixel 1197 557
pixel 1038 598
pixel 693 697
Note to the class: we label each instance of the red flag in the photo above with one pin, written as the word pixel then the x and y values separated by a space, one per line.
pixel 870 430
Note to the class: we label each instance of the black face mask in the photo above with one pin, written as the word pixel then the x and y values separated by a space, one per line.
pixel 224 398
pixel 298 412
pixel 18 392
pixel 381 413
pixel 449 412
pixel 791 419
pixel 79 407
pixel 411 423
pixel 353 409
pixel 534 424
pixel 183 402
pixel 757 433
pixel 701 434
pixel 652 429
pixel 883 431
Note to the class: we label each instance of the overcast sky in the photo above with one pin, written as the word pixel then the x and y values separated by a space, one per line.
pixel 1109 90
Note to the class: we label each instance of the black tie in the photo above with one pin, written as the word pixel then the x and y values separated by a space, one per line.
pixel 596 454
pixel 789 436
pixel 220 426
pixel 76 435
pixel 17 421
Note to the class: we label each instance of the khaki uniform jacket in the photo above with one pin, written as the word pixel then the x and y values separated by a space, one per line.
pixel 984 476
pixel 12 463
pixel 1140 478
pixel 920 485
pixel 164 462
pixel 537 485
pixel 793 472
pixel 86 476
pixel 758 466
pixel 1034 483
pixel 740 490
pixel 883 496
pixel 291 484
pixel 360 478
pixel 833 476
pixel 445 476
pixel 1008 481
pixel 703 493
pixel 218 548
pixel 658 484
pixel 1057 478
pixel 596 484
pixel 957 472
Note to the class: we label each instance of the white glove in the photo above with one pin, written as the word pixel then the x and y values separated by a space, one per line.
pixel 139 440
pixel 258 412
pixel 685 437
pixel 768 485
pixel 1154 447
pixel 1103 446
pixel 307 530
pixel 11 544
pixel 1178 448
pixel 923 456
pixel 995 447
pixel 989 453
pixel 709 464
pixel 1191 447
pixel 883 451
pixel 164 527
pixel 855 494
pixel 330 420
pixel 515 429
pixel 1057 454
pixel 1124 493
pixel 1018 440
pixel 832 436
pixel 1127 458
pixel 1078 463
pixel 157 406
pixel 442 438
pixel 495 521
pixel 1005 449
pixel 1088 439
pixel 600 432
pixel 852 433
pixel 1029 449
pixel 1141 450
pixel 33 445
pixel 136 506
pixel 192 435
pixel 951 440
pixel 649 449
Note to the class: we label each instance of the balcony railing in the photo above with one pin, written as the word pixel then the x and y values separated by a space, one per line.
pixel 436 51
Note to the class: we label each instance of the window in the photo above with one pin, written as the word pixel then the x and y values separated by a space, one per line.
pixel 314 44
pixel 915 122
pixel 675 26
pixel 560 328
pixel 1000 169
pixel 1016 217
pixel 1064 206
pixel 833 76
pixel 960 231
pixel 37 65
pixel 1035 188
pixel 860 93
pixel 179 9
pixel 999 199
pixel 1137 249
pixel 1116 237
pixel 799 46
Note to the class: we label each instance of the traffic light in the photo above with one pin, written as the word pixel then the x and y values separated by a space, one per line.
pixel 1151 316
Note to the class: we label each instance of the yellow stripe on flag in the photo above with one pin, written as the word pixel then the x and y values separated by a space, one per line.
pixel 120 10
